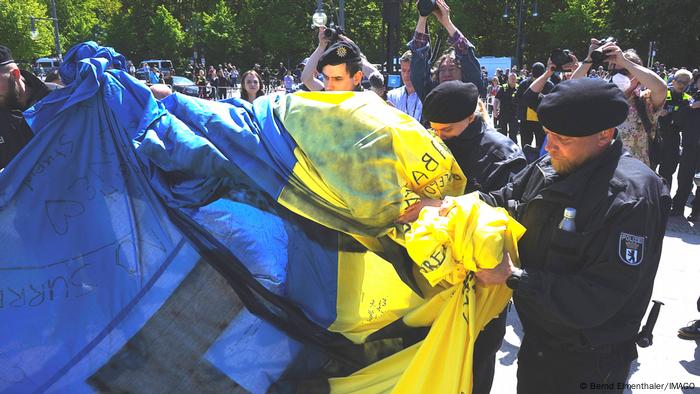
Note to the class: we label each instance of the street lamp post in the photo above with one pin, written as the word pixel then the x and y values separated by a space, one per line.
pixel 520 35
pixel 34 34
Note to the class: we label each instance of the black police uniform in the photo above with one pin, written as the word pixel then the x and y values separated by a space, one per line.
pixel 14 131
pixel 507 121
pixel 671 133
pixel 689 163
pixel 583 294
pixel 530 128
pixel 488 158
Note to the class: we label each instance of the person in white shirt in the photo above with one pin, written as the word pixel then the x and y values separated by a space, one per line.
pixel 405 97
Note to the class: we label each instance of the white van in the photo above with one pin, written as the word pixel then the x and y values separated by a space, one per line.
pixel 165 66
pixel 46 64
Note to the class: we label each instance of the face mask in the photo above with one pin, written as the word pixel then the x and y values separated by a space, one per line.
pixel 621 82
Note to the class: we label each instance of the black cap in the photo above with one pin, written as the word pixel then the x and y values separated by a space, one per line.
pixel 582 107
pixel 5 56
pixel 338 53
pixel 450 102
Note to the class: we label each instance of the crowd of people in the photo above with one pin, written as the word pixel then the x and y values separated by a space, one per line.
pixel 613 137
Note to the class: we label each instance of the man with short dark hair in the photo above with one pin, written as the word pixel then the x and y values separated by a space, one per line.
pixel 582 290
pixel 341 63
pixel 19 90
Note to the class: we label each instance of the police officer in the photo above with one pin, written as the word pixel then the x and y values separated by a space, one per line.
pixel 504 108
pixel 688 120
pixel 19 90
pixel 581 294
pixel 488 159
pixel 530 126
pixel 676 100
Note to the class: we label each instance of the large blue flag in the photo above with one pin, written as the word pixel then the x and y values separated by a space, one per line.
pixel 133 230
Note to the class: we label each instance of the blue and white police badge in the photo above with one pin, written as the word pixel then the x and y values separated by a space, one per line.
pixel 631 249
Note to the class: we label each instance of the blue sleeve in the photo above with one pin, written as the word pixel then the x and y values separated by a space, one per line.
pixel 420 70
pixel 471 69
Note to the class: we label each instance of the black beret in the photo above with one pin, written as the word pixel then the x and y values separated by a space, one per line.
pixel 337 53
pixel 5 55
pixel 450 102
pixel 581 107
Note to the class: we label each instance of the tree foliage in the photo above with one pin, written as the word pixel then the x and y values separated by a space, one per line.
pixel 14 23
pixel 269 31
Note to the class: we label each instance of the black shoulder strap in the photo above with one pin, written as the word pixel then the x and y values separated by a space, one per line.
pixel 643 115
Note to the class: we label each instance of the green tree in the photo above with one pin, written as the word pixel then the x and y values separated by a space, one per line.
pixel 220 37
pixel 167 32
pixel 14 23
pixel 84 20
pixel 574 25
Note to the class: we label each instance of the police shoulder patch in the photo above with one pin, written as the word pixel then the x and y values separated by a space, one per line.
pixel 631 248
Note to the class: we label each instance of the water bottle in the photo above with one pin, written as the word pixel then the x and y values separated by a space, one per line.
pixel 568 223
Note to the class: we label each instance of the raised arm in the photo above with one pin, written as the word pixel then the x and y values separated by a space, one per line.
pixel 308 76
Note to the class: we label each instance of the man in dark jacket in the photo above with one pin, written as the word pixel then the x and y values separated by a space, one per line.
pixel 487 157
pixel 529 124
pixel 489 160
pixel 19 90
pixel 581 295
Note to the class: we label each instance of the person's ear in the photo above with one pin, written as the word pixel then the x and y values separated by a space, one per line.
pixel 605 137
pixel 357 78
pixel 16 73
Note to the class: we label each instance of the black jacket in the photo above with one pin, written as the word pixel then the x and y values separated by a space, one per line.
pixel 488 158
pixel 14 131
pixel 589 289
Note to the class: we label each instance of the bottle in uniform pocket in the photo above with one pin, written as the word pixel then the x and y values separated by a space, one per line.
pixel 568 222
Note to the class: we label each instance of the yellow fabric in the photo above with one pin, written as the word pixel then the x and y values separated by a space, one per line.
pixel 531 115
pixel 361 162
pixel 370 295
pixel 471 236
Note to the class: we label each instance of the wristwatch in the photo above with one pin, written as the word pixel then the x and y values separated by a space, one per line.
pixel 514 279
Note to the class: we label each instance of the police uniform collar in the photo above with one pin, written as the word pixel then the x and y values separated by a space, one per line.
pixel 474 130
pixel 573 184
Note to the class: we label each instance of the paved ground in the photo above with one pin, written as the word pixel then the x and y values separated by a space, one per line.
pixel 669 359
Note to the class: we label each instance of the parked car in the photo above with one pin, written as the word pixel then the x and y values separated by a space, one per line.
pixel 186 86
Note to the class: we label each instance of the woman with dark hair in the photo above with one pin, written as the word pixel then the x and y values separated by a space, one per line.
pixel 251 86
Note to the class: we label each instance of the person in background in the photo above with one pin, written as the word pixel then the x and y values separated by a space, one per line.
pixel 376 83
pixel 341 63
pixel 251 86
pixel 405 98
pixel 288 82
pixel 504 108
pixel 529 123
pixel 459 62
pixel 645 92
pixel 677 101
